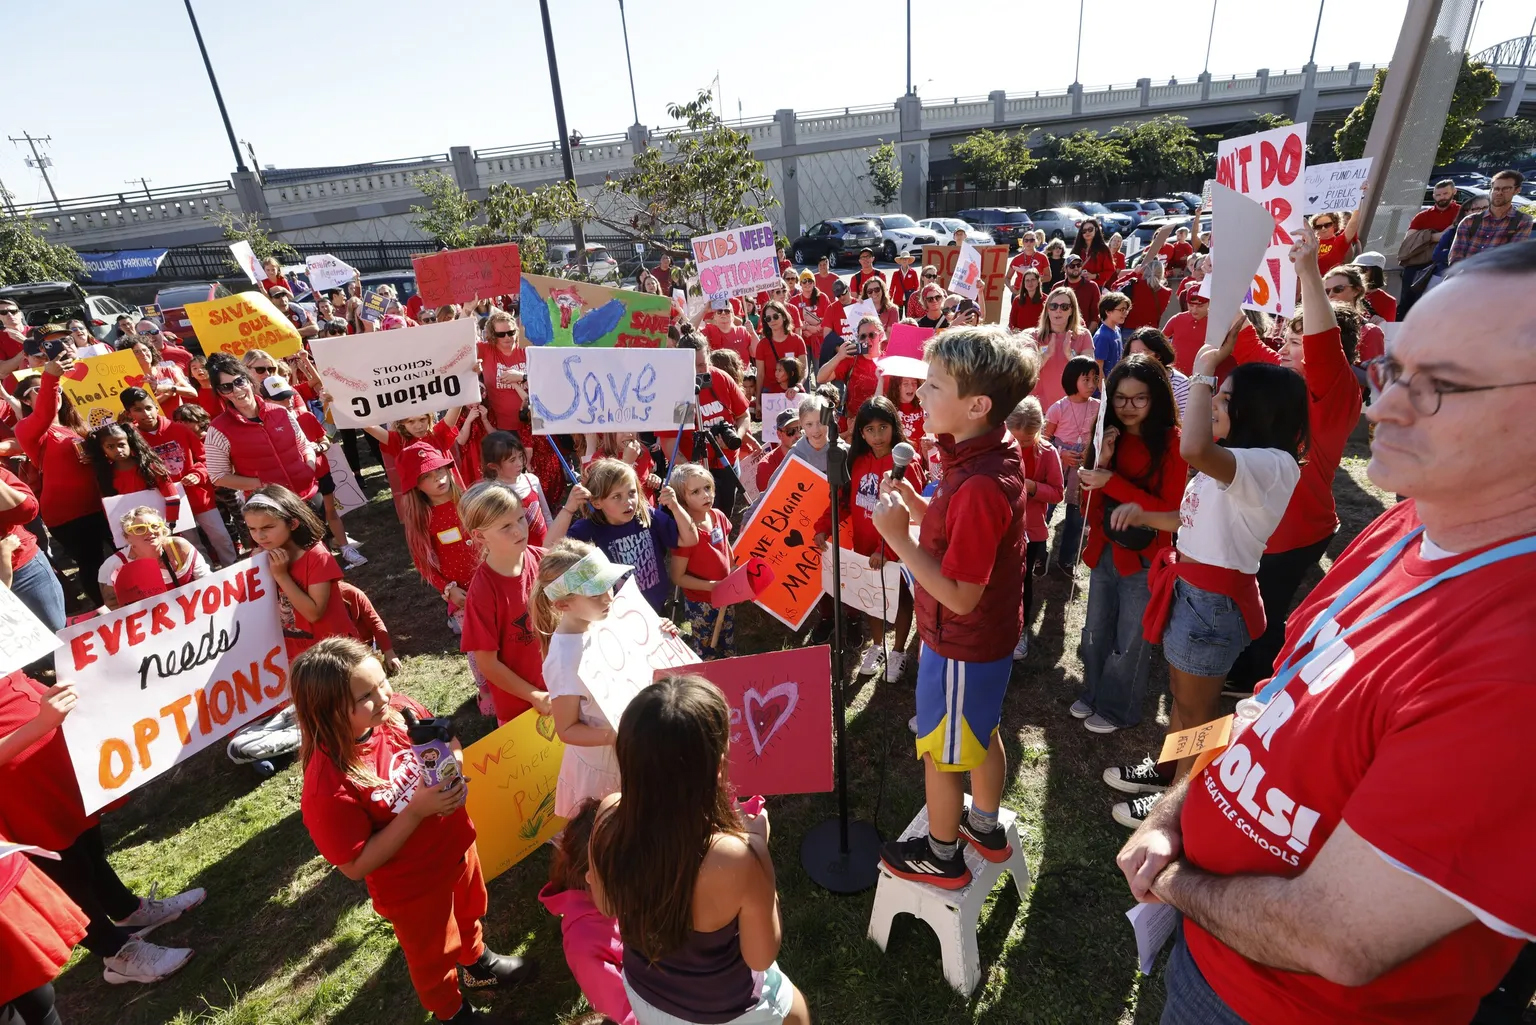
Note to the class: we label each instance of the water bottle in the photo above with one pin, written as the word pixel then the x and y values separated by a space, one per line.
pixel 431 740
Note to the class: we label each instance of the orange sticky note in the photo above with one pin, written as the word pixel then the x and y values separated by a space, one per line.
pixel 1211 737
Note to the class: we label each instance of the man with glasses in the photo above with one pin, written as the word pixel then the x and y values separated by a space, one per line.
pixel 1334 237
pixel 1086 290
pixel 1360 849
pixel 256 442
pixel 1499 225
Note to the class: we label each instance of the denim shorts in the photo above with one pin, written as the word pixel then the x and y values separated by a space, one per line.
pixel 1205 633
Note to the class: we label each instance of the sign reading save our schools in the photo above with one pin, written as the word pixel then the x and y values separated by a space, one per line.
pixel 464 275
pixel 737 261
pixel 236 324
pixel 558 312
pixel 164 678
pixel 782 533
pixel 23 637
pixel 580 392
pixel 1270 168
pixel 94 386
pixel 390 375
pixel 511 775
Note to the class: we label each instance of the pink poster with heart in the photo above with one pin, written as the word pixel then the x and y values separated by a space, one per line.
pixel 781 718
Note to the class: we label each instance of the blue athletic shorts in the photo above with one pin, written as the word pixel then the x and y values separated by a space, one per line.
pixel 958 708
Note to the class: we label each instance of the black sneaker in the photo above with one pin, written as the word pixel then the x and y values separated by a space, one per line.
pixel 494 970
pixel 992 845
pixel 914 860
pixel 1132 814
pixel 469 1016
pixel 1137 779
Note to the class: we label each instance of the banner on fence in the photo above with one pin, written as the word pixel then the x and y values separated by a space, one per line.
pixel 464 275
pixel 390 375
pixel 94 386
pixel 782 533
pixel 626 650
pixel 781 719
pixel 164 678
pixel 327 272
pixel 874 592
pixel 245 258
pixel 576 392
pixel 23 637
pixel 1269 168
pixel 511 775
pixel 123 265
pixel 236 324
pixel 1336 186
pixel 558 312
pixel 118 506
pixel 994 269
pixel 737 261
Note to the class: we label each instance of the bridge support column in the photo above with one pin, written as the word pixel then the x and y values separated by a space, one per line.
pixel 1306 101
pixel 462 158
pixel 1263 77
pixel 1075 90
pixel 639 137
pixel 912 151
pixel 790 166
pixel 1144 87
pixel 1205 86
pixel 248 191
pixel 999 106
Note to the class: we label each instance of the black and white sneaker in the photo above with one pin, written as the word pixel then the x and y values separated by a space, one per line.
pixel 1136 779
pixel 914 860
pixel 1131 814
pixel 493 970
pixel 992 845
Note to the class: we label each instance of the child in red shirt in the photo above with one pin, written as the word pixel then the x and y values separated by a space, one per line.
pixel 436 539
pixel 124 463
pixel 180 448
pixel 366 808
pixel 697 568
pixel 282 525
pixel 1043 483
pixel 503 457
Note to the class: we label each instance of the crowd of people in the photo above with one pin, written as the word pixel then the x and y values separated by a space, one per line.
pixel 1194 471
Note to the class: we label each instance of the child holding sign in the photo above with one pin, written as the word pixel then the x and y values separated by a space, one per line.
pixel 369 814
pixel 124 463
pixel 698 567
pixel 283 525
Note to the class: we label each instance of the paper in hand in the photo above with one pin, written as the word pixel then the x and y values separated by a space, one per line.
pixel 1153 924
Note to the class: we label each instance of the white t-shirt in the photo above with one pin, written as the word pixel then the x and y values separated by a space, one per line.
pixel 1229 526
pixel 194 568
pixel 562 676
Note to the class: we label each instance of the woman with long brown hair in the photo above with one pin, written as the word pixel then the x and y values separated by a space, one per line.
pixel 1059 335
pixel 1098 260
pixel 779 341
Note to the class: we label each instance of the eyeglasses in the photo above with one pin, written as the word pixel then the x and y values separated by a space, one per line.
pixel 932 299
pixel 789 432
pixel 1133 401
pixel 143 529
pixel 1424 392
pixel 930 277
pixel 1324 224
pixel 227 387
pixel 1338 289
pixel 1058 306
pixel 264 370
pixel 151 330
pixel 11 312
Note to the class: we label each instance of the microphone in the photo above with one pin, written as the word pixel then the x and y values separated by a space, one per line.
pixel 901 456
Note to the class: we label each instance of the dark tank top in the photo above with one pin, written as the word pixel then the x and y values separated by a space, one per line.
pixel 704 981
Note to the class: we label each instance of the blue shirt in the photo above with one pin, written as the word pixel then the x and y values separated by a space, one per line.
pixel 1106 346
pixel 634 545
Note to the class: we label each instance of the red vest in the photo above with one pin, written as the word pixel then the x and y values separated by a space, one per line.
pixel 269 448
pixel 990 630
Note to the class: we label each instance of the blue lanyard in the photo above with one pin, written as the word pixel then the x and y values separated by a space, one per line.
pixel 1293 666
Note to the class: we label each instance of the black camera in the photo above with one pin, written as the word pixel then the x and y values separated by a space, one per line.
pixel 701 381
pixel 860 348
pixel 524 416
pixel 727 436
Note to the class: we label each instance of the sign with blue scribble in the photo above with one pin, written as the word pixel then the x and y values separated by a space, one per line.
pixel 576 391
pixel 558 312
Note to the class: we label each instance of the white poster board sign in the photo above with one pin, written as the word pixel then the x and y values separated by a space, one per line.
pixel 245 256
pixel 1269 168
pixel 23 637
pixel 966 280
pixel 349 487
pixel 386 376
pixel 737 261
pixel 118 506
pixel 1246 228
pixel 873 592
pixel 1336 186
pixel 774 403
pixel 327 272
pixel 584 391
pixel 625 651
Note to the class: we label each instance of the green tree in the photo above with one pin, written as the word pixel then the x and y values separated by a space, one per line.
pixel 1161 149
pixel 240 226
pixel 884 174
pixel 450 217
pixel 27 255
pixel 508 214
pixel 1504 142
pixel 1083 157
pixel 1475 86
pixel 995 160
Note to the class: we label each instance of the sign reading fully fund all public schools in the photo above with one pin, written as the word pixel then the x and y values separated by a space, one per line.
pixel 390 375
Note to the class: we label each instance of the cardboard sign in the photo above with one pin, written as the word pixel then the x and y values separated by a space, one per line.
pixel 774 403
pixel 236 324
pixel 781 719
pixel 327 272
pixel 744 583
pixel 855 312
pixel 245 259
pixel 737 261
pixel 575 392
pixel 782 533
pixel 149 312
pixel 511 775
pixel 95 384
pixel 873 592
pixel 349 490
pixel 994 269
pixel 1246 228
pixel 966 279
pixel 1204 742
pixel 387 376
pixel 626 650
pixel 907 340
pixel 1336 186
pixel 118 506
pixel 464 275
pixel 1270 168
pixel 558 312
pixel 164 678
pixel 375 305
pixel 23 637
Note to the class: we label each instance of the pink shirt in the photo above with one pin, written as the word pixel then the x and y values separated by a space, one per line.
pixel 1061 347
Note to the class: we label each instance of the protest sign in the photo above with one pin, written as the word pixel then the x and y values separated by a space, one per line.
pixel 1336 186
pixel 397 374
pixel 118 506
pixel 874 592
pixel 737 261
pixel 774 403
pixel 781 719
pixel 1269 168
pixel 558 312
pixel 907 340
pixel 854 312
pixel 349 490
pixel 746 469
pixel 966 278
pixel 236 324
pixel 327 272
pixel 164 678
pixel 94 384
pixel 994 269
pixel 23 637
pixel 511 775
pixel 375 305
pixel 625 651
pixel 1246 228
pixel 744 583
pixel 245 259
pixel 575 392
pixel 782 533
pixel 149 311
pixel 464 275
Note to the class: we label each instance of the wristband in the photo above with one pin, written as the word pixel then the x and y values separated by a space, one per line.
pixel 1205 379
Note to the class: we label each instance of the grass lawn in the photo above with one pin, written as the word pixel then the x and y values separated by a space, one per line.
pixel 285 939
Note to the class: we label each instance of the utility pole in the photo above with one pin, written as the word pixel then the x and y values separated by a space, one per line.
pixel 141 182
pixel 1315 32
pixel 38 160
pixel 565 140
pixel 1211 36
pixel 632 102
pixel 1077 68
pixel 8 199
pixel 217 96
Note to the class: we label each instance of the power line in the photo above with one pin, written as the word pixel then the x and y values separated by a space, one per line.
pixel 39 161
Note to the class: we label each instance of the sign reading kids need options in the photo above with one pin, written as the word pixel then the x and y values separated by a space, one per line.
pixel 737 261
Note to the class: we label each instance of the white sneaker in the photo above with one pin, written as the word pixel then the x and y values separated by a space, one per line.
pixel 1021 649
pixel 912 724
pixel 870 663
pixel 140 961
pixel 895 662
pixel 352 558
pixel 1081 709
pixel 153 913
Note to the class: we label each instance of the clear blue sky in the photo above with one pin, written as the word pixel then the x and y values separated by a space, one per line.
pixel 121 89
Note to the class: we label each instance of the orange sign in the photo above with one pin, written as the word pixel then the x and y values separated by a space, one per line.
pixel 782 533
pixel 994 268
pixel 1207 741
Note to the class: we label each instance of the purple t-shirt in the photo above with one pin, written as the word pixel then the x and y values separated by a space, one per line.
pixel 637 546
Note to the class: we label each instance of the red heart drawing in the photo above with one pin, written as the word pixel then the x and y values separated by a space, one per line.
pixel 768 711
pixel 134 380
pixel 77 372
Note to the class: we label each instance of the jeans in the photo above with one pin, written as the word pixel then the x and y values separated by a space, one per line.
pixel 40 591
pixel 1069 542
pixel 88 540
pixel 1280 575
pixel 1117 659
pixel 86 877
pixel 1190 999
pixel 1034 555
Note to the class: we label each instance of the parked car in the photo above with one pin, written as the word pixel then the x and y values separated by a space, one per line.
pixel 1111 221
pixel 1463 195
pixel 1147 228
pixel 402 281
pixel 1059 222
pixel 1173 207
pixel 1476 179
pixel 944 228
pixel 902 234
pixel 838 239
pixel 1192 200
pixel 1004 223
pixel 1137 209
pixel 602 268
pixel 45 302
pixel 173 309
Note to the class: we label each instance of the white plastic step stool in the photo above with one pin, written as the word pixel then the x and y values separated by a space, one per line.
pixel 953 915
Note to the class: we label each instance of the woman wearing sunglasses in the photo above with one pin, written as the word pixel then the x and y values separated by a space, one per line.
pixel 929 276
pixel 255 442
pixel 152 562
pixel 779 341
pixel 1058 335
pixel 1346 285
pixel 1334 237
pixel 875 292
pixel 1098 261
pixel 854 364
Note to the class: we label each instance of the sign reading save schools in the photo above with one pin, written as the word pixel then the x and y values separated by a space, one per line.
pixel 738 261
pixel 398 374
pixel 576 391
pixel 236 324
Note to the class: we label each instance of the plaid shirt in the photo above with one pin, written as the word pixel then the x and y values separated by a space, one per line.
pixel 1481 231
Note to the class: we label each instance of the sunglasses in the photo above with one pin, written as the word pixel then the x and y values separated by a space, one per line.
pixel 143 529
pixel 10 312
pixel 869 336
pixel 932 299
pixel 503 334
pixel 1324 224
pixel 230 386
pixel 264 370
pixel 1058 306
pixel 151 330
pixel 790 432
pixel 930 277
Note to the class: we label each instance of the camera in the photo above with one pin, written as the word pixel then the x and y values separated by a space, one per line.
pixel 727 436
pixel 860 348
pixel 701 381
pixel 524 416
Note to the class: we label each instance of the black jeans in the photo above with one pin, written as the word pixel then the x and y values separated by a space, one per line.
pixel 86 877
pixel 1035 554
pixel 1506 1005
pixel 349 445
pixel 1280 575
pixel 88 541
pixel 35 1006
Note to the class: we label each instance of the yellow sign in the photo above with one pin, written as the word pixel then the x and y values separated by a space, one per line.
pixel 237 324
pixel 95 384
pixel 511 776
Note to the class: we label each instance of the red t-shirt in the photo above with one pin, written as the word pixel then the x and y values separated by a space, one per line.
pixel 710 559
pixel 911 415
pixel 1434 218
pixel 862 376
pixel 1024 312
pixel 822 309
pixel 859 500
pixel 1383 302
pixel 497 617
pixel 181 450
pixel 860 278
pixel 342 815
pixel 1132 465
pixel 1101 266
pixel 501 398
pixel 69 483
pixel 1372 343
pixel 456 560
pixel 10 348
pixel 441 437
pixel 1087 299
pixel 1332 252
pixel 771 352
pixel 824 282
pixel 1187 336
pixel 1179 254
pixel 1147 305
pixel 39 798
pixel 13 520
pixel 1433 699
pixel 1039 261
pixel 739 339
pixel 315 565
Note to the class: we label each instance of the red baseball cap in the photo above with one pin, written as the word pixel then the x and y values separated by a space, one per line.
pixel 1194 298
pixel 417 458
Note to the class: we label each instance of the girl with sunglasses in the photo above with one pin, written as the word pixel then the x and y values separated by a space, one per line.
pixel 149 541
pixel 1346 287
pixel 1058 335
pixel 1098 261
pixel 874 291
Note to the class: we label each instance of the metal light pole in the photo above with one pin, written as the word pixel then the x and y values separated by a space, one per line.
pixel 1077 68
pixel 565 138
pixel 1209 38
pixel 217 96
pixel 622 21
pixel 1312 59
pixel 909 47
